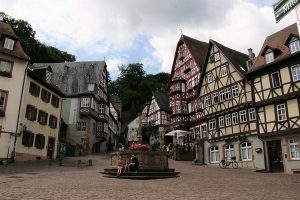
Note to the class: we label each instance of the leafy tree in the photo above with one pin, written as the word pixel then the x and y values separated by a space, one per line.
pixel 37 51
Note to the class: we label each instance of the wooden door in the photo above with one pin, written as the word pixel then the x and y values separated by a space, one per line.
pixel 275 156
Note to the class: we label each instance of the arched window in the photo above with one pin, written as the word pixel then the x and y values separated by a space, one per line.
pixel 214 154
pixel 246 151
pixel 229 152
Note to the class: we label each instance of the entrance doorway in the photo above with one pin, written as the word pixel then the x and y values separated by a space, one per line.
pixel 275 156
pixel 50 149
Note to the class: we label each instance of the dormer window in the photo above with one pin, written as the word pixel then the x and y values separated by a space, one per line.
pixel 269 56
pixel 9 44
pixel 294 45
pixel 217 57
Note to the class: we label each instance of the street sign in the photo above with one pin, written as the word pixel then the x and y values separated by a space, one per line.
pixel 283 7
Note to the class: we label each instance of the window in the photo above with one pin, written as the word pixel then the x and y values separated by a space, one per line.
pixel 217 56
pixel 246 151
pixel 42 117
pixel 214 154
pixel 294 149
pixel 215 98
pixel 252 115
pixel 99 126
pixel 221 96
pixel 5 68
pixel 210 78
pixel 296 72
pixel 235 118
pixel 9 44
pixel 223 71
pixel 269 57
pixel 53 121
pixel 221 121
pixel 45 95
pixel 229 152
pixel 243 116
pixel 227 93
pixel 184 108
pixel 281 112
pixel 81 126
pixel 39 141
pixel 212 124
pixel 178 109
pixel 275 79
pixel 101 108
pixel 294 45
pixel 31 112
pixel 203 130
pixel 55 101
pixel 91 87
pixel 85 102
pixel 235 91
pixel 207 101
pixel 34 89
pixel 228 120
pixel 3 100
pixel 177 86
pixel 27 138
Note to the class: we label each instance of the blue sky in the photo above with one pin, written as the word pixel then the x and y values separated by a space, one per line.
pixel 145 31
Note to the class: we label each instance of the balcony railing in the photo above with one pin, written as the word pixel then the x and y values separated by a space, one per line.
pixel 100 117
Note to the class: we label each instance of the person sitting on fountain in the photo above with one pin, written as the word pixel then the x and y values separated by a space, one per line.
pixel 134 164
pixel 126 166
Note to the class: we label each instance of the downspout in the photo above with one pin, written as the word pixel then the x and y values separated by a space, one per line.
pixel 18 119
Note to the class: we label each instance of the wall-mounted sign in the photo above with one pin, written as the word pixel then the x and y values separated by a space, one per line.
pixel 283 7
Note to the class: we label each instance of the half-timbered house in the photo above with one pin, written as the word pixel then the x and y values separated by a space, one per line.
pixel 229 123
pixel 275 76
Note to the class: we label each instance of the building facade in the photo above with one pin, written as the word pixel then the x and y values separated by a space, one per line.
pixel 85 108
pixel 39 116
pixel 13 64
pixel 275 76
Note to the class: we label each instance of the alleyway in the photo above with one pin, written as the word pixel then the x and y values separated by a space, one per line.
pixel 38 180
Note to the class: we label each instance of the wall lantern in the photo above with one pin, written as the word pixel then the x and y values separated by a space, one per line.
pixel 258 150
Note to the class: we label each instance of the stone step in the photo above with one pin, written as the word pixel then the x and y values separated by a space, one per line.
pixel 142 170
pixel 142 173
pixel 141 177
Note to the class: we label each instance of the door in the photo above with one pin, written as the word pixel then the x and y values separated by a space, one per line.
pixel 275 156
pixel 50 149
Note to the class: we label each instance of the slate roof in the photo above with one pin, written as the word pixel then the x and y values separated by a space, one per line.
pixel 162 100
pixel 278 42
pixel 72 78
pixel 6 30
pixel 237 59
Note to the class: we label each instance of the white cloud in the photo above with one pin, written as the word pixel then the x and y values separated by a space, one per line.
pixel 101 27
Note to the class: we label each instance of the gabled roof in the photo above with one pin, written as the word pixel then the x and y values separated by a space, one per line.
pixel 73 78
pixel 278 41
pixel 198 50
pixel 237 59
pixel 162 100
pixel 6 30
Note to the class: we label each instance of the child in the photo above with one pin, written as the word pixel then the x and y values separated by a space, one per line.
pixel 120 164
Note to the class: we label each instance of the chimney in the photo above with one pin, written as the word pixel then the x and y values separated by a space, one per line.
pixel 250 54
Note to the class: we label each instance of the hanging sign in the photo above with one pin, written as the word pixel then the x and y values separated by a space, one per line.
pixel 283 7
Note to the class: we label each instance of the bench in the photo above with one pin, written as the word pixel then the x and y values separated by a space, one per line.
pixel 85 163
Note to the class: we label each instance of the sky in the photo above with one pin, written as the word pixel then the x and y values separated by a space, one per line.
pixel 145 31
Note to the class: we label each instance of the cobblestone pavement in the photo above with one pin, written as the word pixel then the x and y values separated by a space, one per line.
pixel 38 180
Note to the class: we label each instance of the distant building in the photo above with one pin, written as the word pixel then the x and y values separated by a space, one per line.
pixel 275 76
pixel 39 116
pixel 13 64
pixel 85 108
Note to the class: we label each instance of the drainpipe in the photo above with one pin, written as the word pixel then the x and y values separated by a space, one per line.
pixel 18 119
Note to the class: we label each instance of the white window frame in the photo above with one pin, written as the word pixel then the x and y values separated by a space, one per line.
pixel 5 66
pixel 184 108
pixel 212 124
pixel 210 77
pixel 207 101
pixel 281 112
pixel 229 152
pixel 235 118
pixel 221 95
pixel 227 93
pixel 252 114
pixel 178 107
pixel 235 91
pixel 223 71
pixel 217 56
pixel 177 86
pixel 221 121
pixel 81 126
pixel 85 102
pixel 9 43
pixel 214 154
pixel 295 69
pixel 295 45
pixel 228 120
pixel 243 116
pixel 247 148
pixel 269 57
pixel 294 149
pixel 99 127
pixel 276 81
pixel 215 96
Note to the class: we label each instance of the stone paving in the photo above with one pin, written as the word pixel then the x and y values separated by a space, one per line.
pixel 38 180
